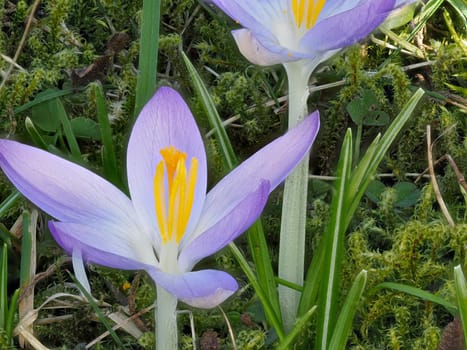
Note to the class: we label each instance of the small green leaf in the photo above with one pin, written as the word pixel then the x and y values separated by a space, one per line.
pixel 398 17
pixel 85 128
pixel 46 114
pixel 407 194
pixel 375 190
pixel 365 110
pixel 376 118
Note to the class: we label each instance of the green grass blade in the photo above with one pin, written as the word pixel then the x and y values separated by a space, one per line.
pixel 98 312
pixel 297 329
pixel 328 296
pixel 108 154
pixel 43 97
pixel 10 318
pixel 149 44
pixel 3 286
pixel 8 202
pixel 255 235
pixel 312 281
pixel 59 111
pixel 271 315
pixel 417 292
pixel 26 250
pixel 215 120
pixel 347 313
pixel 34 134
pixel 364 172
pixel 461 292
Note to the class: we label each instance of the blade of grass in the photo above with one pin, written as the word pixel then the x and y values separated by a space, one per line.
pixel 255 235
pixel 360 178
pixel 328 296
pixel 364 172
pixel 215 120
pixel 67 129
pixel 26 250
pixel 50 95
pixel 8 202
pixel 461 293
pixel 148 49
pixel 10 318
pixel 416 292
pixel 297 329
pixel 98 312
pixel 347 313
pixel 108 154
pixel 34 134
pixel 3 286
pixel 272 317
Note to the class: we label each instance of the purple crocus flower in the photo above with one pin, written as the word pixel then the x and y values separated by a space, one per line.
pixel 280 31
pixel 170 223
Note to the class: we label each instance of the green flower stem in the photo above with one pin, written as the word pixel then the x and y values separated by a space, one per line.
pixel 292 235
pixel 166 320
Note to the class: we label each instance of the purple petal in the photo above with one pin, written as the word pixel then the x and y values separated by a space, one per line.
pixel 111 246
pixel 272 163
pixel 347 27
pixel 203 289
pixel 256 52
pixel 332 8
pixel 164 121
pixel 61 188
pixel 257 16
pixel 226 230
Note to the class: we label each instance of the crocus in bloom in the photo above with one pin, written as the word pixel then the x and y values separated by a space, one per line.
pixel 170 223
pixel 280 31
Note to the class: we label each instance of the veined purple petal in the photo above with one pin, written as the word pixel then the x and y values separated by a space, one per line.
pixel 255 52
pixel 257 16
pixel 203 289
pixel 332 8
pixel 61 188
pixel 164 121
pixel 226 230
pixel 111 246
pixel 347 27
pixel 272 163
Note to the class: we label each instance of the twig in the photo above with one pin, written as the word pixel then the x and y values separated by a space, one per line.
pixel 229 326
pixel 21 43
pixel 311 89
pixel 117 326
pixel 434 183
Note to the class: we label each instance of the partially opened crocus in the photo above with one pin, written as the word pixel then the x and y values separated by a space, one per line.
pixel 280 31
pixel 299 34
pixel 169 223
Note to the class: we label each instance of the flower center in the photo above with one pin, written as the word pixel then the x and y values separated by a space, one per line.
pixel 174 198
pixel 306 12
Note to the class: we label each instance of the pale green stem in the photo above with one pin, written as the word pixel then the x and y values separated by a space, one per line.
pixel 292 235
pixel 166 321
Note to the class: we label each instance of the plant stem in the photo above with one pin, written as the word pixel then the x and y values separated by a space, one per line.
pixel 292 235
pixel 166 320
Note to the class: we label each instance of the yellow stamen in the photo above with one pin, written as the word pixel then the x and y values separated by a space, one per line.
pixel 307 11
pixel 179 191
pixel 159 201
